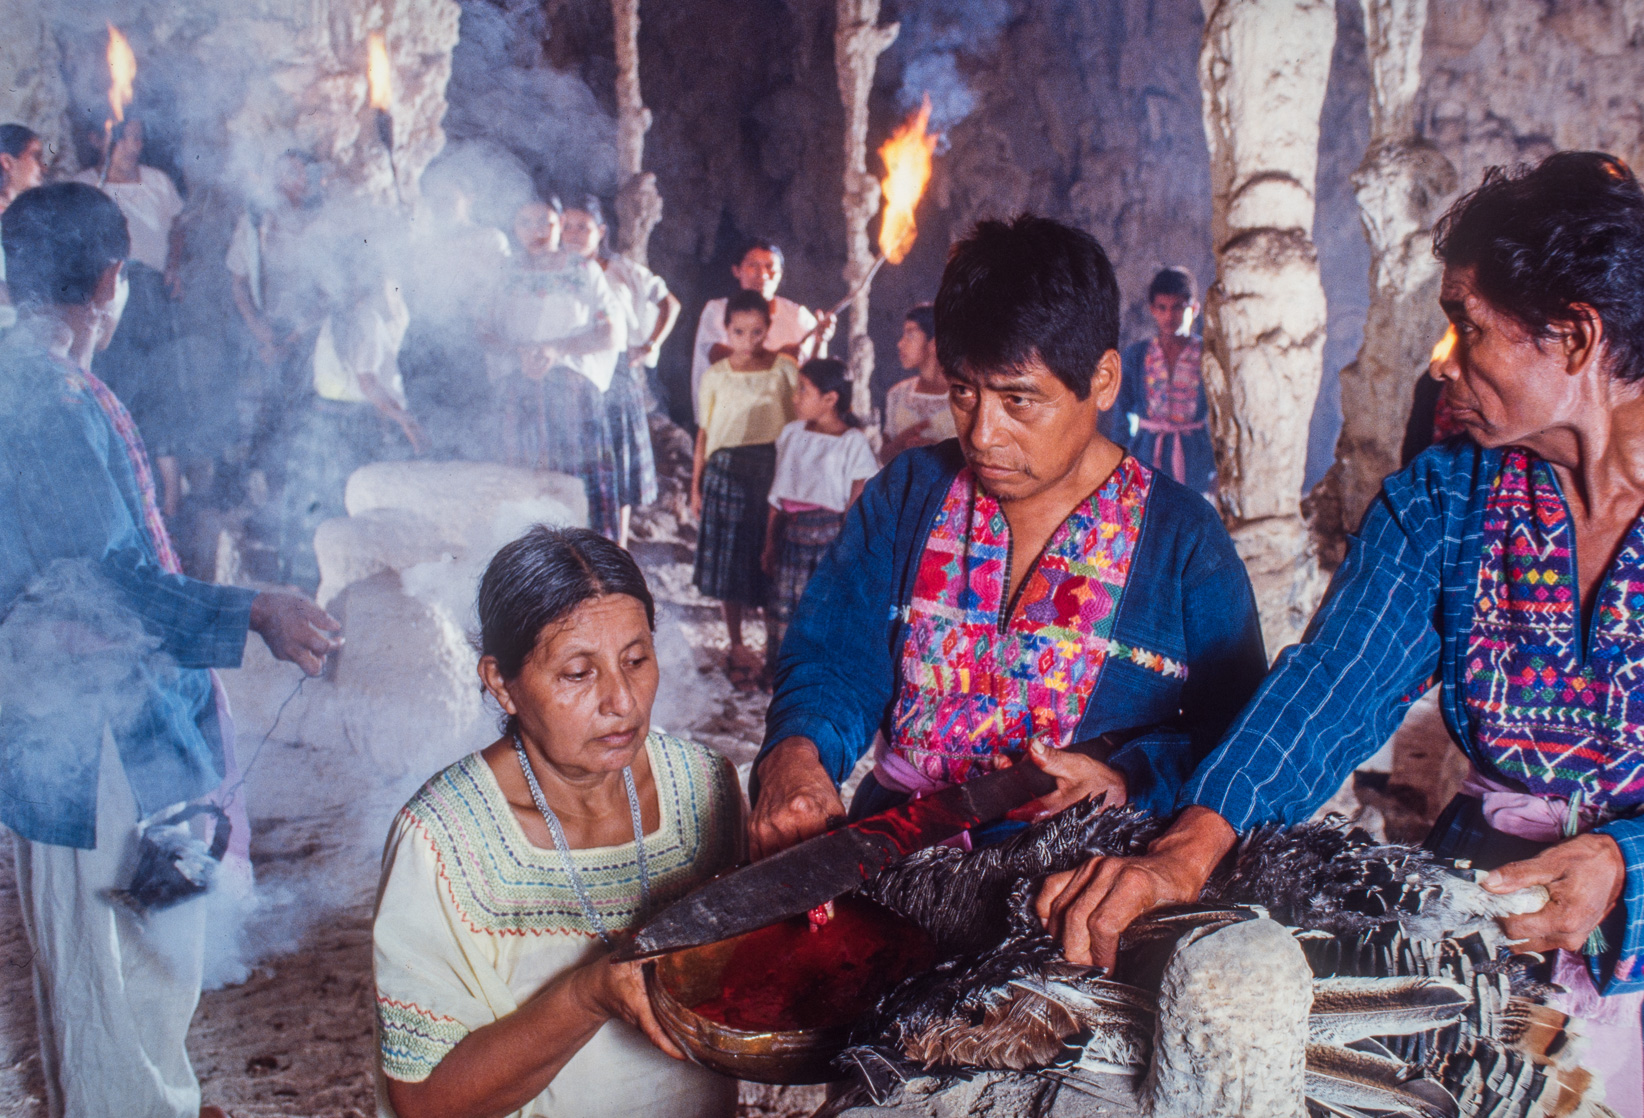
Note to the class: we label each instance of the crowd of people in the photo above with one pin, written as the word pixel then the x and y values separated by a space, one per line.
pixel 1027 569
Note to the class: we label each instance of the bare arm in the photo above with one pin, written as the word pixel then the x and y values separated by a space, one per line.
pixel 665 322
pixel 596 337
pixel 498 1069
pixel 773 524
pixel 390 408
pixel 797 799
pixel 174 261
pixel 699 462
pixel 268 346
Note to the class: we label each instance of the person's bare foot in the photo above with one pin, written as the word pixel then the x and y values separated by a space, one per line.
pixel 213 1112
pixel 744 657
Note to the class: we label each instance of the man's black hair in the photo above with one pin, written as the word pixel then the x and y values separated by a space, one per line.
pixel 589 205
pixel 924 316
pixel 1029 287
pixel 1174 281
pixel 1543 240
pixel 59 239
pixel 768 245
pixel 15 139
pixel 739 301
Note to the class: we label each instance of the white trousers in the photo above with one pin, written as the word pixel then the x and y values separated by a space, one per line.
pixel 114 995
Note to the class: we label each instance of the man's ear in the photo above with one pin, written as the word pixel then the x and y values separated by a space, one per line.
pixel 108 284
pixel 1104 382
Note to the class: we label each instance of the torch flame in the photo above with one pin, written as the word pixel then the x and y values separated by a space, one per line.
pixel 377 72
pixel 1444 347
pixel 122 72
pixel 907 156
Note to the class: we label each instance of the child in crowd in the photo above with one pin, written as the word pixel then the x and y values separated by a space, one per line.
pixel 822 462
pixel 745 401
pixel 916 409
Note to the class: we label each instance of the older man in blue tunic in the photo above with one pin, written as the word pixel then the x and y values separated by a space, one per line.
pixel 1026 589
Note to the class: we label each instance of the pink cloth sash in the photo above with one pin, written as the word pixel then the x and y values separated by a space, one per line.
pixel 1612 1025
pixel 1162 429
pixel 895 772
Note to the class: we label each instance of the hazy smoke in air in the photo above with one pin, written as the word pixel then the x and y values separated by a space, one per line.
pixel 935 36
pixel 502 87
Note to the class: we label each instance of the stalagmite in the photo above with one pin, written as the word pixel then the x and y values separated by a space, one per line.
pixel 858 43
pixel 1399 185
pixel 1263 67
pixel 638 204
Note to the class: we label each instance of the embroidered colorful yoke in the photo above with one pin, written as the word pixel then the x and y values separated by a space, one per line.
pixel 977 684
pixel 1546 715
pixel 473 920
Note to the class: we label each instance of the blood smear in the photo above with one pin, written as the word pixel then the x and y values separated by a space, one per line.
pixel 795 976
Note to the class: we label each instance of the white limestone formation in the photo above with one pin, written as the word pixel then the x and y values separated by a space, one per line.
pixel 1263 67
pixel 1400 186
pixel 33 92
pixel 638 202
pixel 859 40
pixel 400 572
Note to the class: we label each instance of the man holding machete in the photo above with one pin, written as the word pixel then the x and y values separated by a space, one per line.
pixel 1027 588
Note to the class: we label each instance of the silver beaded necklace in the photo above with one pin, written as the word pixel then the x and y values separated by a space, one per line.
pixel 564 848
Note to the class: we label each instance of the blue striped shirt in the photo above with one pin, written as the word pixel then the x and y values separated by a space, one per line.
pixel 1397 616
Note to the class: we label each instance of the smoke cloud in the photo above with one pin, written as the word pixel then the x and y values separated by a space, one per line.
pixel 935 37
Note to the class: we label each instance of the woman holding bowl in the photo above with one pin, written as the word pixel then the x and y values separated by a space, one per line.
pixel 510 874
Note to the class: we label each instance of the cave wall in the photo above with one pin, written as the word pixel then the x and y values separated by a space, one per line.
pixel 1086 112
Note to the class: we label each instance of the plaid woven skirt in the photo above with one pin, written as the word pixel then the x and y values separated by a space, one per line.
pixel 806 537
pixel 630 436
pixel 559 423
pixel 735 486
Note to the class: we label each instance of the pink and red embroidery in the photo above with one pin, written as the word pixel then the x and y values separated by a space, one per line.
pixel 1544 714
pixel 973 690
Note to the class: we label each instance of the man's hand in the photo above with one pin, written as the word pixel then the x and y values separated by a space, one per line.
pixel 294 629
pixel 1078 777
pixel 1583 875
pixel 797 800
pixel 1089 908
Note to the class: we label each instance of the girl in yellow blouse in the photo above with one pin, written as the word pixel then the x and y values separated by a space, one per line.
pixel 744 402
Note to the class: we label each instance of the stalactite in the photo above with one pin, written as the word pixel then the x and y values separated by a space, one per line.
pixel 858 43
pixel 638 204
pixel 1399 186
pixel 1263 66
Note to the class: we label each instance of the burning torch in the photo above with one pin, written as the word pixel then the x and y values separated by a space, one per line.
pixel 122 72
pixel 907 158
pixel 380 79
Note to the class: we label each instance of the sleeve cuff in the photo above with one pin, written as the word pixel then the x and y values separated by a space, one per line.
pixel 836 758
pixel 1155 767
pixel 1626 972
pixel 412 1040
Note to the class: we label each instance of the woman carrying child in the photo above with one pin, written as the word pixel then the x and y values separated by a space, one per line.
pixel 745 401
pixel 822 462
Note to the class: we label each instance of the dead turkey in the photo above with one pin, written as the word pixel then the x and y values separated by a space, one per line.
pixel 1409 1000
